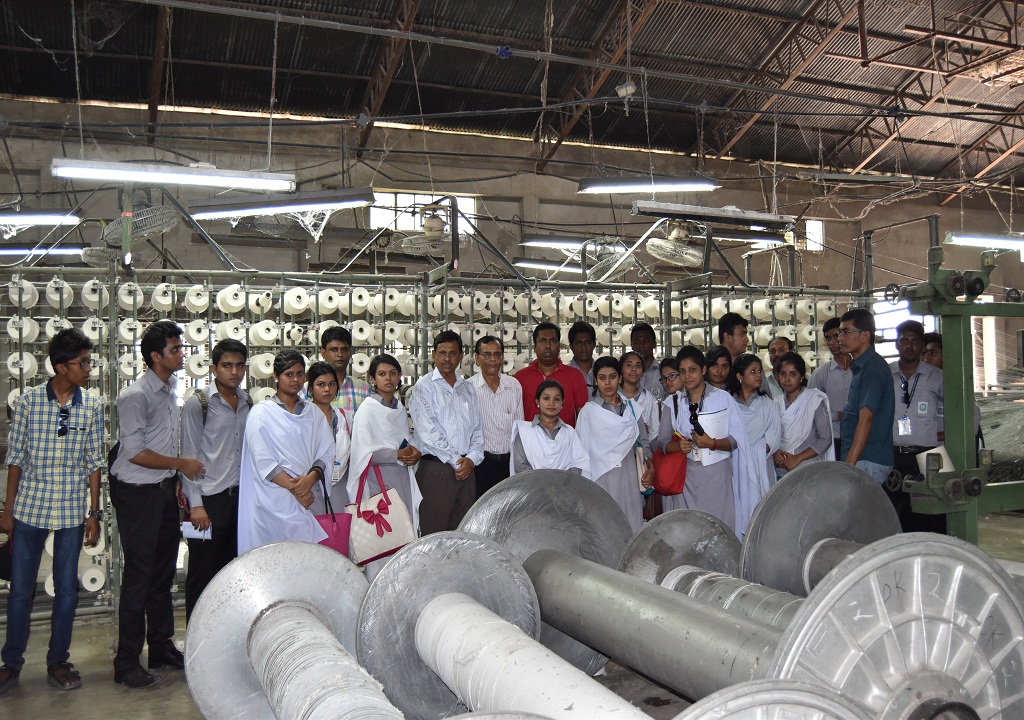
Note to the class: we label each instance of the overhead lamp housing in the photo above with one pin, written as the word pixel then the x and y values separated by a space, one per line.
pixel 714 216
pixel 25 251
pixel 164 174
pixel 554 242
pixel 623 185
pixel 856 178
pixel 278 205
pixel 980 240
pixel 34 218
pixel 548 265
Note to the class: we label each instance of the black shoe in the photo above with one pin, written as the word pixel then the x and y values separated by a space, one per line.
pixel 169 658
pixel 8 676
pixel 136 677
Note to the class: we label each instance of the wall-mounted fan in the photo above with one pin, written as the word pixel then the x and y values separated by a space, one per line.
pixel 675 247
pixel 435 239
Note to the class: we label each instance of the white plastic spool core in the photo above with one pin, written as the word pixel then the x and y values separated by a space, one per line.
pixel 59 294
pixel 130 296
pixel 197 299
pixel 92 578
pixel 163 297
pixel 23 329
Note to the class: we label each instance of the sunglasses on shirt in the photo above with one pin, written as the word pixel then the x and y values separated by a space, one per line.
pixel 63 419
pixel 693 419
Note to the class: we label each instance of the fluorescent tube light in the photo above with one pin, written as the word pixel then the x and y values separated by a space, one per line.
pixel 7 250
pixel 36 218
pixel 299 202
pixel 713 216
pixel 552 242
pixel 605 186
pixel 162 174
pixel 1002 242
pixel 548 265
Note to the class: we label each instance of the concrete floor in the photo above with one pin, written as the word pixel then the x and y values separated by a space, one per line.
pixel 99 698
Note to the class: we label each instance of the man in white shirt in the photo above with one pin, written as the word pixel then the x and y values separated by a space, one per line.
pixel 500 398
pixel 834 377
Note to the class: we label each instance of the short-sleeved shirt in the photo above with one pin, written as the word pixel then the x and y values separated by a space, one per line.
pixel 925 410
pixel 217 442
pixel 55 468
pixel 832 380
pixel 574 387
pixel 147 418
pixel 651 380
pixel 871 388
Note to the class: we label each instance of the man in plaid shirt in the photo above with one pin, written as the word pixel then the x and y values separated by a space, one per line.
pixel 55 455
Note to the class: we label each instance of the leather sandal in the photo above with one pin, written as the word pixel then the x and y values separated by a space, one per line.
pixel 63 676
pixel 8 676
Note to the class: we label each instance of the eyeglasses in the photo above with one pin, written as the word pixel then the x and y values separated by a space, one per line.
pixel 669 378
pixel 492 355
pixel 849 331
pixel 84 364
pixel 63 419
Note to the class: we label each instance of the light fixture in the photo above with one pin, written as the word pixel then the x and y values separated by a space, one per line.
pixel 553 242
pixel 163 174
pixel 1001 242
pixel 548 265
pixel 23 251
pixel 614 185
pixel 278 205
pixel 856 178
pixel 714 216
pixel 37 218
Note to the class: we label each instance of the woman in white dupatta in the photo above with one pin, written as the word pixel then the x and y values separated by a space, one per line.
pixel 286 449
pixel 610 431
pixel 760 416
pixel 806 424
pixel 546 442
pixel 322 388
pixel 381 437
pixel 644 402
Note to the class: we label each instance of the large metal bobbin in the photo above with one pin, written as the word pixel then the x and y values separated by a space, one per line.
pixel 558 510
pixel 774 700
pixel 451 621
pixel 273 634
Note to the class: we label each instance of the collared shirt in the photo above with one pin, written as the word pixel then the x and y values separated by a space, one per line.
pixel 651 380
pixel 300 404
pixel 771 386
pixel 447 419
pixel 498 410
pixel 588 375
pixel 147 418
pixel 217 444
pixel 871 388
pixel 54 483
pixel 351 392
pixel 925 410
pixel 380 398
pixel 574 387
pixel 834 381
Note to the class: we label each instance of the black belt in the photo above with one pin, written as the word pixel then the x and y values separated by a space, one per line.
pixel 230 492
pixel 167 483
pixel 430 458
pixel 496 456
pixel 912 449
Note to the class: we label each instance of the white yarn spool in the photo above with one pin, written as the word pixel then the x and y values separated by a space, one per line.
pixel 762 309
pixel 59 294
pixel 604 336
pixel 328 300
pixel 263 333
pixel 577 306
pixel 295 301
pixel 740 306
pixel 99 547
pixel 508 365
pixel 359 300
pixel 617 303
pixel 12 397
pixel 763 334
pixel 48 544
pixel 24 329
pixel 823 357
pixel 231 299
pixel 92 578
pixel 454 304
pixel 376 306
pixel 130 296
pixel 129 331
pixel 826 309
pixel 466 335
pixel 591 304
pixel 494 304
pixel 95 295
pixel 48 585
pixel 392 331
pixel 508 334
pixel 811 358
pixel 126 365
pixel 628 308
pixel 23 293
pixel 55 324
pixel 261 367
pixel 652 307
pixel 522 304
pixel 507 302
pixel 262 393
pixel 409 335
pixel 719 307
pixel 677 337
pixel 566 357
pixel 408 304
pixel 198 366
pixel 804 309
pixel 786 331
pixel 260 301
pixel 197 332
pixel 604 304
pixel 766 362
pixel 48 367
pixel 95 329
pixel 675 310
pixel 361 332
pixel 197 299
pixel 360 363
pixel 163 297
pixel 434 303
pixel 549 302
pixel 391 299
pixel 318 329
pixel 807 334
pixel 694 308
pixel 524 334
pixel 479 331
pixel 293 334
pixel 696 337
pixel 522 360
pixel 784 309
pixel 231 330
pixel 98 366
pixel 481 304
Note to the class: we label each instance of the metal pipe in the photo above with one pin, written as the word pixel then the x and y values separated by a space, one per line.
pixel 691 647
pixel 823 557
pixel 774 608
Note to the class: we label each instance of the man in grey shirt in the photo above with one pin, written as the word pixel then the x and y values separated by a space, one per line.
pixel 212 429
pixel 834 377
pixel 143 491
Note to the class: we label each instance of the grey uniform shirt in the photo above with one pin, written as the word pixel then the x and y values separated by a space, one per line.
pixel 588 376
pixel 147 414
pixel 651 380
pixel 832 380
pixel 925 409
pixel 218 444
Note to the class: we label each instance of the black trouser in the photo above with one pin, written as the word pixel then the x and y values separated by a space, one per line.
pixel 491 471
pixel 446 500
pixel 906 464
pixel 147 521
pixel 206 558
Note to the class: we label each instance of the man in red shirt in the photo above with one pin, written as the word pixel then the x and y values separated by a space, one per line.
pixel 547 366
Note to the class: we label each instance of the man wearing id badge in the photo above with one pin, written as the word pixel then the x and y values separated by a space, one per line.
pixel 918 424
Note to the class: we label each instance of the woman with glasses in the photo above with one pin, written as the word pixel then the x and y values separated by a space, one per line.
pixel 614 436
pixel 805 412
pixel 322 388
pixel 761 418
pixel 643 400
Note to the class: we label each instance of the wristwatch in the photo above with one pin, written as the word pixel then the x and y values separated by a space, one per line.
pixel 98 514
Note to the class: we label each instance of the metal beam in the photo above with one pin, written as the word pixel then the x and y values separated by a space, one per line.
pixel 618 33
pixel 389 54
pixel 156 71
pixel 800 46
pixel 996 145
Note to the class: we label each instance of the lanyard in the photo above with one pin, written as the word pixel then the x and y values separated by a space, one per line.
pixel 903 386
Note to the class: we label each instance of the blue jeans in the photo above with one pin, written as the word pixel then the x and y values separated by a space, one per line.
pixel 877 472
pixel 28 550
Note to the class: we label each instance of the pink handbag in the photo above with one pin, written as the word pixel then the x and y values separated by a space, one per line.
pixel 336 525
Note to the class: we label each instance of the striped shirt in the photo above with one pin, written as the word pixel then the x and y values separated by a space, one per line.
pixel 498 410
pixel 351 392
pixel 55 470
pixel 447 419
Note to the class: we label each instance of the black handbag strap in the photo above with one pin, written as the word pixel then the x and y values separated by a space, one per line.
pixel 328 507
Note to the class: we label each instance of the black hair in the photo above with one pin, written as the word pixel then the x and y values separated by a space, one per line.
pixel 689 352
pixel 383 359
pixel 714 355
pixel 154 340
pixel 447 336
pixel 830 324
pixel 622 360
pixel 581 327
pixel 67 345
pixel 789 343
pixel 669 362
pixel 739 366
pixel 486 340
pixel 605 361
pixel 317 369
pixel 545 386
pixel 286 358
pixel 227 346
pixel 862 319
pixel 335 333
pixel 932 337
pixel 547 326
pixel 729 322
pixel 643 328
pixel 910 326
pixel 797 362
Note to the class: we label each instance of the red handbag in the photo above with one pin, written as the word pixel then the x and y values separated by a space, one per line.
pixel 336 525
pixel 669 472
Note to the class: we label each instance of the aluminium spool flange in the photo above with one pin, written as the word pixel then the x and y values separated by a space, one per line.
pixel 220 676
pixel 435 565
pixel 774 700
pixel 553 510
pixel 678 538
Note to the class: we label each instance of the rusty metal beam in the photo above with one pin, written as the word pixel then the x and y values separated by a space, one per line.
pixel 621 29
pixel 800 46
pixel 156 71
pixel 389 54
